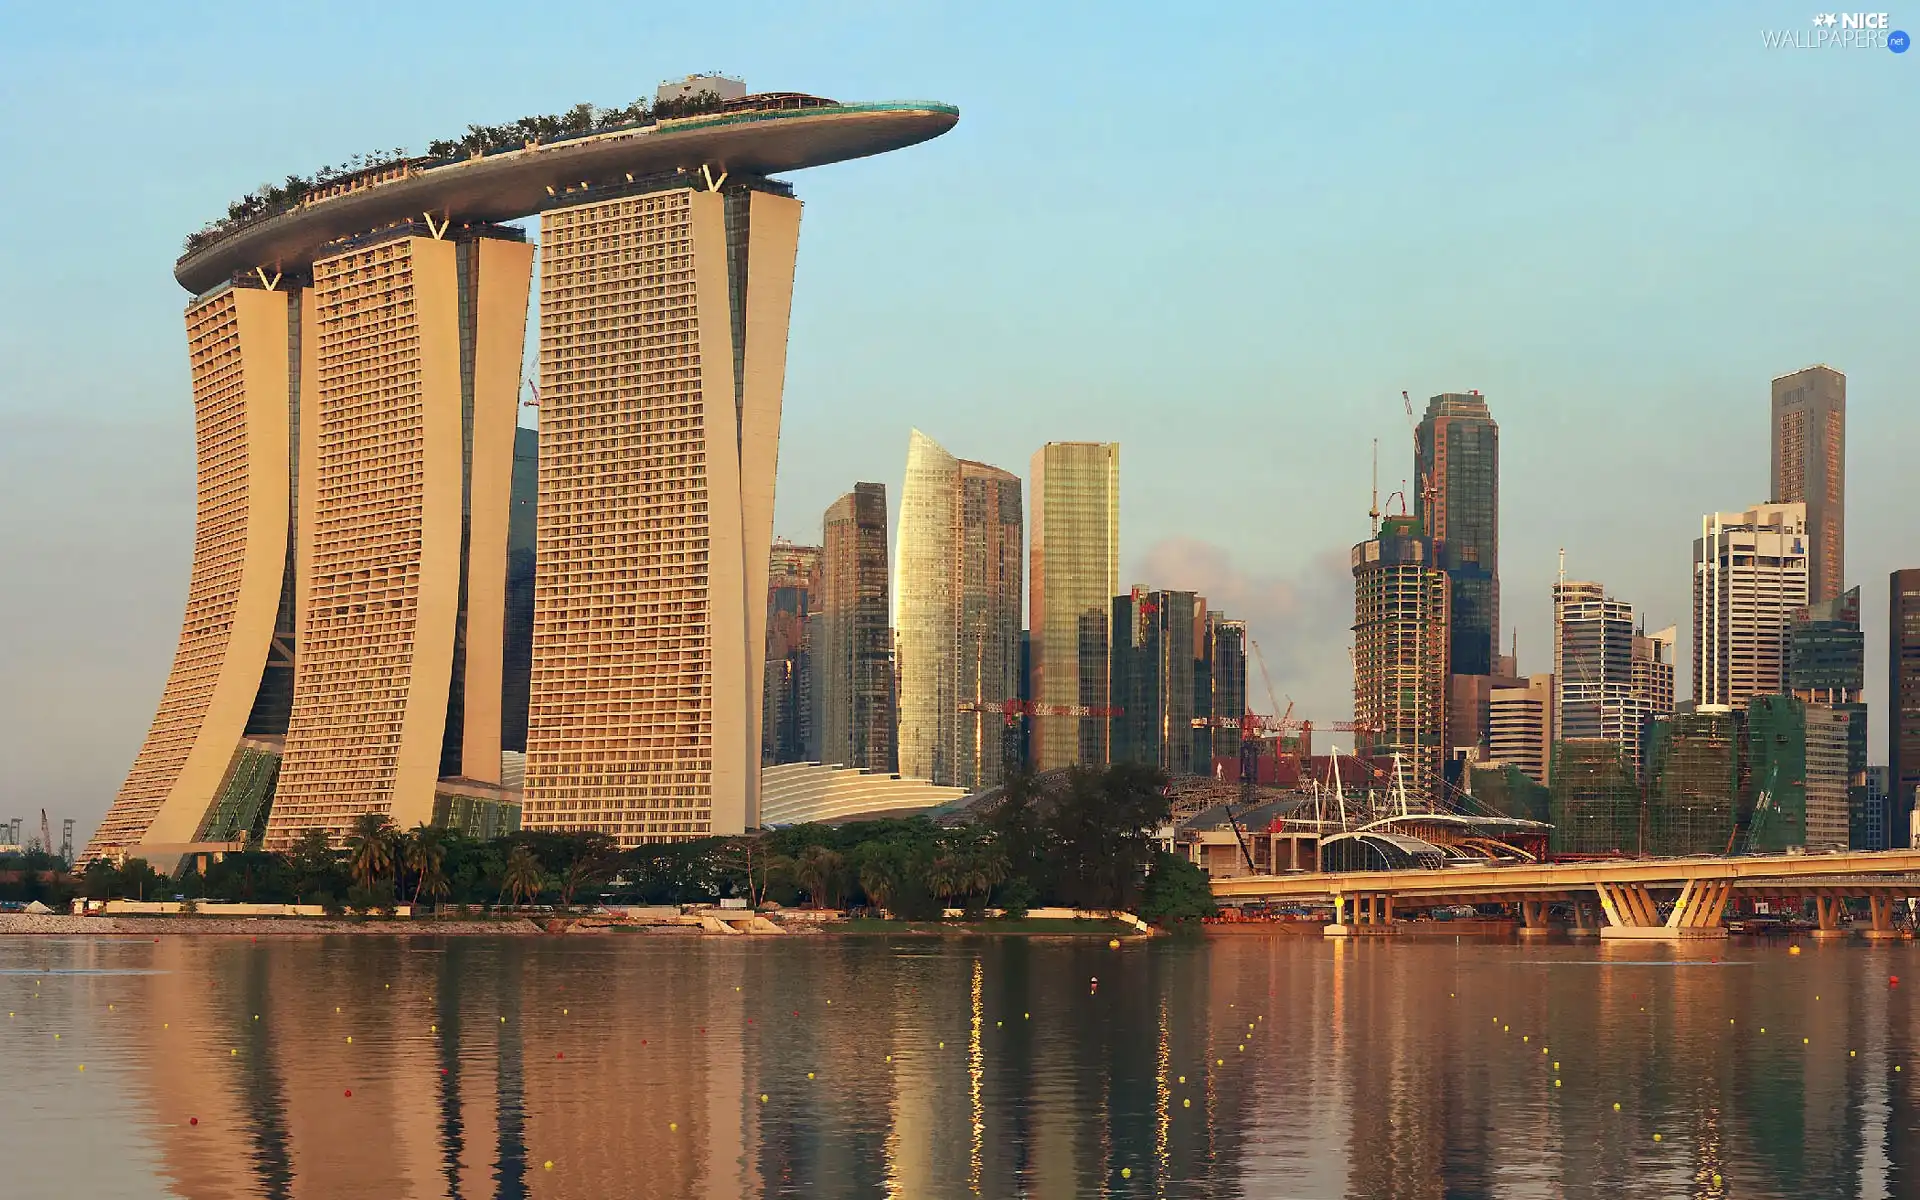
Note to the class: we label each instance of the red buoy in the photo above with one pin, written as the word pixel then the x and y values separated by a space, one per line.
pixel 349 1093
pixel 193 1120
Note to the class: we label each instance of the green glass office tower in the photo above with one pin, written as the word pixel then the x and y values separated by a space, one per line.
pixel 1457 498
pixel 1827 665
pixel 1157 639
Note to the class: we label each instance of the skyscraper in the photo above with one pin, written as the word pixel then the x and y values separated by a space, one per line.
pixel 1810 467
pixel 1903 703
pixel 957 618
pixel 787 732
pixel 356 345
pixel 853 652
pixel 1827 666
pixel 1223 684
pixel 1520 726
pixel 1400 653
pixel 1158 638
pixel 1074 575
pixel 1749 578
pixel 1608 677
pixel 1457 497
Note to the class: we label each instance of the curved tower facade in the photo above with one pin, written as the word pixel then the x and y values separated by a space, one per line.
pixel 359 637
pixel 957 619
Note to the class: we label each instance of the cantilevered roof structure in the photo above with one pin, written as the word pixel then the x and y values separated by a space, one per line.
pixel 760 135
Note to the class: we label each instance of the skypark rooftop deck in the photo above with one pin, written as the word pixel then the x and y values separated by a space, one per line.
pixel 505 186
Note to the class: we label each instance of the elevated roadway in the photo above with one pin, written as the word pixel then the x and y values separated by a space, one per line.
pixel 1630 892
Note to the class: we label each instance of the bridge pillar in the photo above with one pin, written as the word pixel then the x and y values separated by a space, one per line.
pixel 1632 912
pixel 1828 910
pixel 1882 929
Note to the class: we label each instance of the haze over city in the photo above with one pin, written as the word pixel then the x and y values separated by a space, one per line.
pixel 1226 243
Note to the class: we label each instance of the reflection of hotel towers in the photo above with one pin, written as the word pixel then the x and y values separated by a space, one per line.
pixel 347 611
pixel 957 613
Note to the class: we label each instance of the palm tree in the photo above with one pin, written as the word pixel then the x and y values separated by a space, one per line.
pixel 945 877
pixel 880 880
pixel 522 881
pixel 818 870
pixel 425 852
pixel 370 846
pixel 433 884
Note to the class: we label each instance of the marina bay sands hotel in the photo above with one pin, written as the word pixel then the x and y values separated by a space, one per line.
pixel 394 607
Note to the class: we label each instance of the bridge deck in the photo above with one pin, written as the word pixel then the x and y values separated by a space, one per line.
pixel 1855 873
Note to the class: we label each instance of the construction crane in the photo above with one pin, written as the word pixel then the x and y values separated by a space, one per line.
pixel 535 389
pixel 46 834
pixel 1763 807
pixel 1013 711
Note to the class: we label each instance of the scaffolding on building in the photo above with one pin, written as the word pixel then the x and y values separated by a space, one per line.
pixel 1594 801
pixel 1692 779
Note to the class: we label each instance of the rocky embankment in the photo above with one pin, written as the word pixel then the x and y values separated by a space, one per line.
pixel 70 926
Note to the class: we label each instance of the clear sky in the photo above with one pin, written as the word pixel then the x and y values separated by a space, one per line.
pixel 1223 235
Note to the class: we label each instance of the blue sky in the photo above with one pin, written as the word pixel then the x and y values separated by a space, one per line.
pixel 1223 235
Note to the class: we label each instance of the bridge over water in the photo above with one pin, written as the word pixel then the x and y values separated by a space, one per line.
pixel 1629 895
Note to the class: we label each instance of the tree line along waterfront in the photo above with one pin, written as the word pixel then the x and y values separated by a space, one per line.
pixel 1087 843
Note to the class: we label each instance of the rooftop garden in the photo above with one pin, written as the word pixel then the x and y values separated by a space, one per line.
pixel 271 199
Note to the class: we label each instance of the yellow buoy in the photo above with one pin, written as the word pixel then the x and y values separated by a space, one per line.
pixel 763 1097
pixel 1183 1078
pixel 83 1066
pixel 1716 1179
pixel 1656 1137
pixel 1793 949
pixel 1219 1062
pixel 1853 1054
pixel 233 1053
pixel 889 1058
pixel 1126 1172
pixel 673 1127
pixel 1113 943
pixel 1556 1066
pixel 1186 1104
pixel 349 1039
pixel 1803 1041
pixel 1556 1083
pixel 1616 1106
pixel 548 1164
pixel 809 1074
pixel 943 1045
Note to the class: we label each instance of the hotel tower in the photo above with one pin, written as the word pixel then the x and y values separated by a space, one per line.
pixel 356 352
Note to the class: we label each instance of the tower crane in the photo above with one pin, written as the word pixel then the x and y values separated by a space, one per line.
pixel 46 834
pixel 1014 710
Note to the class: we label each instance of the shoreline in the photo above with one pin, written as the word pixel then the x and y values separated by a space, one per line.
pixel 177 925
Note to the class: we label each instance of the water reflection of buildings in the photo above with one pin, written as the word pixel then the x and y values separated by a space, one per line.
pixel 1369 1070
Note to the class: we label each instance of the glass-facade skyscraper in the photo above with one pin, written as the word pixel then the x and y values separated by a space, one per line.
pixel 1903 702
pixel 957 596
pixel 1073 578
pixel 1457 497
pixel 1809 459
pixel 787 731
pixel 853 647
